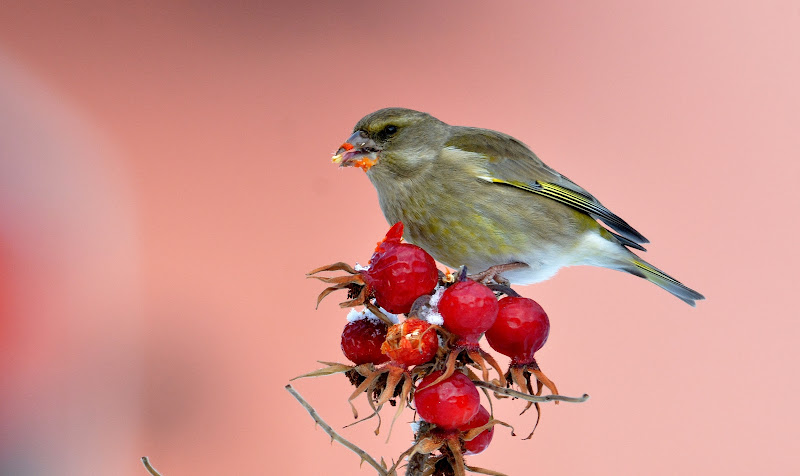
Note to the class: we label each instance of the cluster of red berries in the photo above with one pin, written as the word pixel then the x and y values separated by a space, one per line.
pixel 435 348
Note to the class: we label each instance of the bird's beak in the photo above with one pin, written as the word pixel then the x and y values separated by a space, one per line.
pixel 358 151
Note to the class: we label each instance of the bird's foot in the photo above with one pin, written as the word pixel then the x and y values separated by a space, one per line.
pixel 494 273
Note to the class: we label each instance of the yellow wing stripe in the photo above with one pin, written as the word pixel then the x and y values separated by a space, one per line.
pixel 577 201
pixel 573 197
pixel 557 193
pixel 656 271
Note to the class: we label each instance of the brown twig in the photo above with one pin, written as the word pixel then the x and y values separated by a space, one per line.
pixel 335 436
pixel 149 467
pixel 530 398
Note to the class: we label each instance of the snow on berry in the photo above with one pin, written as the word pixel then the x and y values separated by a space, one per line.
pixel 356 315
pixel 415 426
pixel 429 311
pixel 360 268
pixel 437 296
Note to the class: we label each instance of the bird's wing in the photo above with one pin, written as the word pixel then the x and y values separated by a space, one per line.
pixel 510 162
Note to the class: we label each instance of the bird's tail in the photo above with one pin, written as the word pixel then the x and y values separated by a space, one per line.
pixel 649 272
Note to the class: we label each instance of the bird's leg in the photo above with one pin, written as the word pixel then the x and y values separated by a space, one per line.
pixel 494 273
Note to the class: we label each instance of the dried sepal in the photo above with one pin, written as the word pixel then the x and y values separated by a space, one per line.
pixel 457 460
pixel 377 311
pixel 353 282
pixel 477 356
pixel 424 445
pixel 475 469
pixel 473 432
pixel 379 391
pixel 338 266
pixel 330 369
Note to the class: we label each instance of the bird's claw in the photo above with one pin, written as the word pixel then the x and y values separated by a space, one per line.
pixel 494 273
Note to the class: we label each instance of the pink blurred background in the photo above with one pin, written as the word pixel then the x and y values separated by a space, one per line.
pixel 165 185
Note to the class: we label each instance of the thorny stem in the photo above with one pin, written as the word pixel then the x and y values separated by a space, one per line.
pixel 150 469
pixel 530 398
pixel 335 436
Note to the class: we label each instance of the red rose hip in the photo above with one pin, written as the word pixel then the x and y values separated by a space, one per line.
pixel 362 340
pixel 399 273
pixel 480 442
pixel 520 330
pixel 449 404
pixel 468 308
pixel 412 342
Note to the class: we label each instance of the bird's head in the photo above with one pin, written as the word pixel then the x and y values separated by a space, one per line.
pixel 393 140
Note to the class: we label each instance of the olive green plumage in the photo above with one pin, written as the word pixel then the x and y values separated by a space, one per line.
pixel 481 198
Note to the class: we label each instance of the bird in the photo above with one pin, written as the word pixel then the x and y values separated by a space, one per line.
pixel 482 199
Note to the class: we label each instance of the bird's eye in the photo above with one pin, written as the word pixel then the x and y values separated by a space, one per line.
pixel 390 130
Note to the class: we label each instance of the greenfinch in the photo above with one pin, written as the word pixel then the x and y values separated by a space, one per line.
pixel 482 199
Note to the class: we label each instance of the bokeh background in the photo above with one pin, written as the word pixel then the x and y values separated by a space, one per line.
pixel 165 185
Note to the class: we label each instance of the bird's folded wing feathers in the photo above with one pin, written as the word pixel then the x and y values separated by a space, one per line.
pixel 510 162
